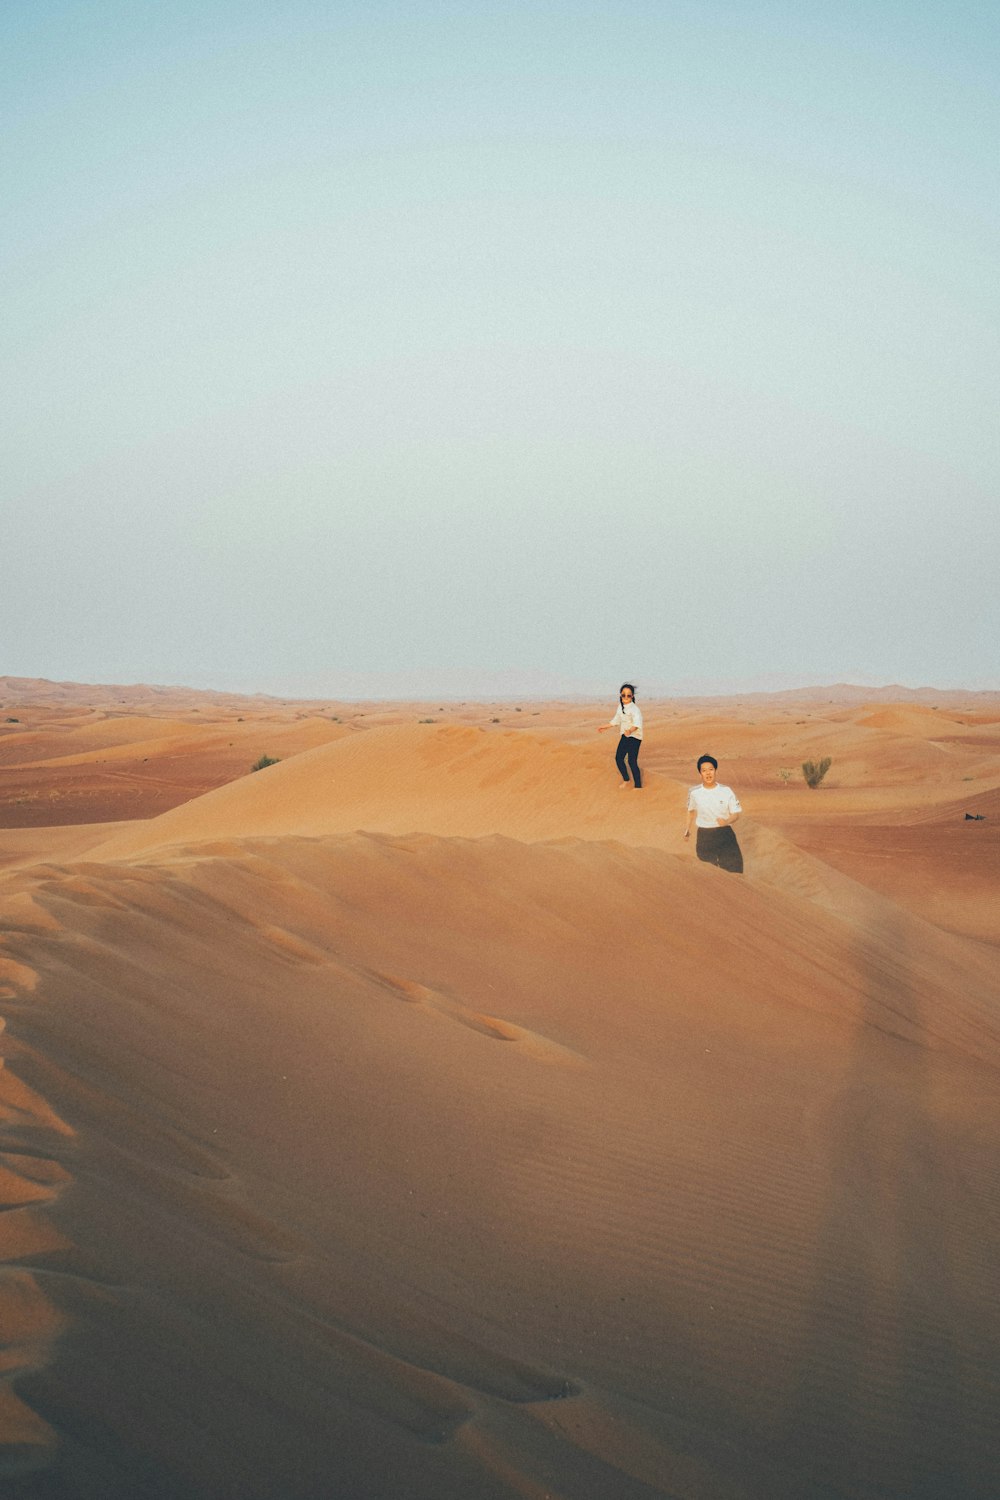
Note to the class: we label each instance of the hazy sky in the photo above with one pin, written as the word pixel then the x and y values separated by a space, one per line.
pixel 421 345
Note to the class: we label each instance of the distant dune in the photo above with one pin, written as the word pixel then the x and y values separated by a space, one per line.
pixel 417 1117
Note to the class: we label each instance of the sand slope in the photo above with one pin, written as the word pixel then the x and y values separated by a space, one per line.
pixel 418 1117
pixel 101 766
pixel 443 779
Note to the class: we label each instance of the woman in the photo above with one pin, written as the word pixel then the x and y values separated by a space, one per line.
pixel 714 809
pixel 628 718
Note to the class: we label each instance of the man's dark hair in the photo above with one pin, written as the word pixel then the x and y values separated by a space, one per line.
pixel 710 759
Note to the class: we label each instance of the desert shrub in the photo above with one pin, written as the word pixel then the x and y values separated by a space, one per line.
pixel 265 760
pixel 814 772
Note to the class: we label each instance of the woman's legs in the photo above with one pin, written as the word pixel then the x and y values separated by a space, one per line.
pixel 633 759
pixel 628 750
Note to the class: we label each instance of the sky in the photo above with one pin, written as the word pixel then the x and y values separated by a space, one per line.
pixel 386 349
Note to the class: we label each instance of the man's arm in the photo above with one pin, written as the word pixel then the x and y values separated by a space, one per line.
pixel 734 813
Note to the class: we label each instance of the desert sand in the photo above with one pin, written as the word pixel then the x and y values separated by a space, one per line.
pixel 417 1119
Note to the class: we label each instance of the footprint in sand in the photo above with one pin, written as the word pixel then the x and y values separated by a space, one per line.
pixel 294 948
pixel 530 1042
pixel 16 979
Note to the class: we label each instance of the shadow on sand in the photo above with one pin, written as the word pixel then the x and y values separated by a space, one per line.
pixel 894 1394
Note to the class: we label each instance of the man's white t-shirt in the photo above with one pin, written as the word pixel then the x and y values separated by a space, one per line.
pixel 626 716
pixel 712 803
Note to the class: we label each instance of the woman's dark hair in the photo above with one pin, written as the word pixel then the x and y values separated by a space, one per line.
pixel 710 759
pixel 630 686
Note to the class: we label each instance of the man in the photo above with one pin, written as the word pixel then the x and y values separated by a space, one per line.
pixel 713 809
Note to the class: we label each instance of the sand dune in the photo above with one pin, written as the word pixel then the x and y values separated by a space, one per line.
pixel 456 780
pixel 74 738
pixel 440 779
pixel 103 766
pixel 418 1117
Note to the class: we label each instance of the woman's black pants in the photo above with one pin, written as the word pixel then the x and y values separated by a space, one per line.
pixel 628 750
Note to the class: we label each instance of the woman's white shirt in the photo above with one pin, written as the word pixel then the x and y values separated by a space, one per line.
pixel 626 716
pixel 712 803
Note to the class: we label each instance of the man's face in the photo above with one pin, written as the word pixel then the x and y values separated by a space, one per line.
pixel 708 773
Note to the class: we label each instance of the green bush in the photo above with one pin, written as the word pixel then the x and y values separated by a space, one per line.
pixel 265 760
pixel 814 772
